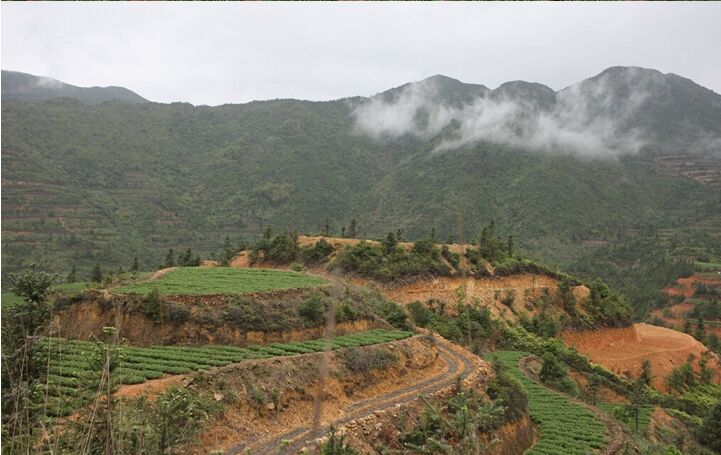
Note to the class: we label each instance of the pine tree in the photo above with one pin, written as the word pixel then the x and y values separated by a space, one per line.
pixel 135 264
pixel 72 276
pixel 390 243
pixel 170 259
pixel 228 253
pixel 353 228
pixel 700 333
pixel 342 231
pixel 97 274
pixel 710 431
pixel 594 384
pixel 326 229
pixel 646 375
pixel 510 246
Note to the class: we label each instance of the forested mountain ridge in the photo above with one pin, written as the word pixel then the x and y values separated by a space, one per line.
pixel 27 87
pixel 107 182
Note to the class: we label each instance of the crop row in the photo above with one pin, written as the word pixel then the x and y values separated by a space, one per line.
pixel 221 280
pixel 73 364
pixel 566 427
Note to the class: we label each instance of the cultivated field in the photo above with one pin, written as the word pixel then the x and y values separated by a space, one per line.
pixel 221 280
pixel 74 365
pixel 566 427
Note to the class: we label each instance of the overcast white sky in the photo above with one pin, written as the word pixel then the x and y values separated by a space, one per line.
pixel 215 53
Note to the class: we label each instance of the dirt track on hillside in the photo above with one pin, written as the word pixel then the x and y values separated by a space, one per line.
pixel 459 363
pixel 160 273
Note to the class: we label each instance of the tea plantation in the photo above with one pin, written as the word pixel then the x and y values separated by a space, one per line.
pixel 73 366
pixel 566 427
pixel 221 280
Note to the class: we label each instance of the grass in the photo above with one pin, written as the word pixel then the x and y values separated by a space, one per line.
pixel 221 280
pixel 9 298
pixel 72 376
pixel 707 266
pixel 566 427
pixel 644 414
pixel 72 288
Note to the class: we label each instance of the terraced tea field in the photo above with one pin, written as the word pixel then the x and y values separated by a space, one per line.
pixel 221 280
pixel 566 427
pixel 71 375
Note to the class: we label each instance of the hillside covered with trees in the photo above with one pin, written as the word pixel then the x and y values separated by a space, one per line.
pixel 105 183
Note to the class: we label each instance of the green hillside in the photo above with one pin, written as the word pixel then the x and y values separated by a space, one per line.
pixel 85 184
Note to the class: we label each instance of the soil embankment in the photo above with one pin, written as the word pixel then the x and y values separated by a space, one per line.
pixel 488 292
pixel 81 320
pixel 422 365
pixel 623 350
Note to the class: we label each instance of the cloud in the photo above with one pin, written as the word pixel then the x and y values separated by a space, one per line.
pixel 588 119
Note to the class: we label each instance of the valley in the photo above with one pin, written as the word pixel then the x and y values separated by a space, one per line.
pixel 440 268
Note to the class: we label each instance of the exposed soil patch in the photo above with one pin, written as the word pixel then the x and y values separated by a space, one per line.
pixel 160 273
pixel 623 350
pixel 487 291
pixel 151 388
pixel 421 366
pixel 675 317
pixel 686 286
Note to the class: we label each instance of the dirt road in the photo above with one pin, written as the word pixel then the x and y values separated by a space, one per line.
pixel 294 439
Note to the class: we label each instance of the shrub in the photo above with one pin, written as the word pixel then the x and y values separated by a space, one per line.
pixel 363 360
pixel 508 391
pixel 283 248
pixel 250 316
pixel 177 313
pixel 421 315
pixel 317 253
pixel 453 258
pixel 313 309
pixel 389 262
pixel 346 312
pixel 335 444
pixel 394 315
pixel 153 305
pixel 509 298
pixel 710 431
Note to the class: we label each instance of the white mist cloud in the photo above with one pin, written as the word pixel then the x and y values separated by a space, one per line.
pixel 588 119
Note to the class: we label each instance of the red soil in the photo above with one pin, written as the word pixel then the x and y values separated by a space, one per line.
pixel 623 350
pixel 678 318
pixel 686 286
pixel 150 388
pixel 487 291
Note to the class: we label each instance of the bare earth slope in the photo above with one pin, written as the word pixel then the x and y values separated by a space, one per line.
pixel 623 350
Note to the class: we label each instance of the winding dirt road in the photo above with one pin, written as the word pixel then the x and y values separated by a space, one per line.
pixel 295 438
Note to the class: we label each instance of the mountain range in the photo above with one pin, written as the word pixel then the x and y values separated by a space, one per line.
pixel 19 86
pixel 102 175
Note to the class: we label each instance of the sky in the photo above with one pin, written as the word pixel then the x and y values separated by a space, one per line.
pixel 216 53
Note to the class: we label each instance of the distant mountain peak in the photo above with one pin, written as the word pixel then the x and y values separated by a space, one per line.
pixel 18 86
